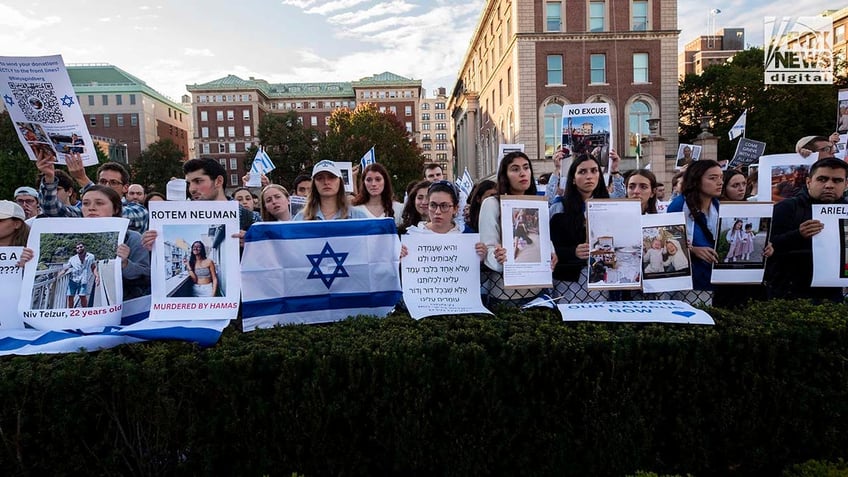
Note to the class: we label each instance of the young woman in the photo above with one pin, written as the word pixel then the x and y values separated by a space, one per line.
pixel 246 200
pixel 480 192
pixel 202 271
pixel 375 197
pixel 642 184
pixel 14 232
pixel 515 177
pixel 327 199
pixel 698 200
pixel 274 203
pixel 415 210
pixel 443 205
pixel 735 186
pixel 568 230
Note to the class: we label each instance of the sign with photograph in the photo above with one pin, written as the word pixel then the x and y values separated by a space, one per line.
pixel 655 311
pixel 10 286
pixel 525 233
pixel 586 128
pixel 346 168
pixel 830 269
pixel 687 154
pixel 42 103
pixel 74 278
pixel 780 176
pixel 441 277
pixel 743 233
pixel 748 151
pixel 195 260
pixel 615 244
pixel 666 263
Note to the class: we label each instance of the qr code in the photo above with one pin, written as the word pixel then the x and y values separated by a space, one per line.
pixel 38 102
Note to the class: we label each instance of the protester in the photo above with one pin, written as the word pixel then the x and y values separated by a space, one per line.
pixel 375 197
pixel 27 198
pixel 302 185
pixel 789 272
pixel 245 198
pixel 568 230
pixel 327 199
pixel 153 197
pixel 433 172
pixel 660 192
pixel 825 147
pixel 642 184
pixel 480 192
pixel 735 185
pixel 443 204
pixel 135 193
pixel 14 232
pixel 415 210
pixel 274 204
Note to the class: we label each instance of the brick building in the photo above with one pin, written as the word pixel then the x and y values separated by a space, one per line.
pixel 707 50
pixel 528 58
pixel 126 113
pixel 434 136
pixel 227 111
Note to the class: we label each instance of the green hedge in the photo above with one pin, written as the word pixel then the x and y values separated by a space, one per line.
pixel 517 394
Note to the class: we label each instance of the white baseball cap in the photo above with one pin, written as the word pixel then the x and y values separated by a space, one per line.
pixel 326 166
pixel 11 210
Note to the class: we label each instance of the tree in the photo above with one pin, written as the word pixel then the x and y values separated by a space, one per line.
pixel 353 132
pixel 289 144
pixel 779 115
pixel 161 161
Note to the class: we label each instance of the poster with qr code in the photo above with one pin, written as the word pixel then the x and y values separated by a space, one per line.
pixel 39 96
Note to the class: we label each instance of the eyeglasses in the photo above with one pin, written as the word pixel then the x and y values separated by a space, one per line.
pixel 113 182
pixel 828 148
pixel 26 201
pixel 444 206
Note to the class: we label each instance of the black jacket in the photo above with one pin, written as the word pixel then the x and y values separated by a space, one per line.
pixel 567 232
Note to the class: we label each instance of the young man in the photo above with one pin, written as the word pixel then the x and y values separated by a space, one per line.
pixel 110 174
pixel 135 193
pixel 81 267
pixel 27 198
pixel 790 270
pixel 302 184
pixel 433 172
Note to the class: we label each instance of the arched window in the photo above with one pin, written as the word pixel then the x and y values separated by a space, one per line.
pixel 553 128
pixel 637 124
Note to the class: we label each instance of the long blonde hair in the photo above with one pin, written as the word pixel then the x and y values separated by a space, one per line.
pixel 313 201
pixel 263 212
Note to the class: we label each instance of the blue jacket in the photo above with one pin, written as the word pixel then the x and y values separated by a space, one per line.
pixel 701 270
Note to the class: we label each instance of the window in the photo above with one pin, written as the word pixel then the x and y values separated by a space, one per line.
pixel 637 124
pixel 220 131
pixel 231 115
pixel 231 131
pixel 407 110
pixel 299 120
pixel 425 126
pixel 598 72
pixel 382 109
pixel 120 120
pixel 441 126
pixel 554 69
pixel 247 131
pixel 119 100
pixel 132 99
pixel 92 120
pixel 425 106
pixel 313 121
pixel 393 110
pixel 205 148
pixel 245 114
pixel 219 98
pixel 640 67
pixel 204 116
pixel 245 97
pixel 233 163
pixel 425 116
pixel 409 126
pixel 639 10
pixel 425 137
pixel 233 180
pixel 509 81
pixel 222 148
pixel 441 137
pixel 427 146
pixel 223 163
pixel 440 105
pixel 553 16
pixel 839 34
pixel 313 105
pixel 440 146
pixel 500 92
pixel 441 157
pixel 204 132
pixel 597 20
pixel 440 116
pixel 232 147
pixel 105 99
pixel 91 100
pixel 553 128
pixel 133 119
pixel 247 146
pixel 107 121
pixel 219 115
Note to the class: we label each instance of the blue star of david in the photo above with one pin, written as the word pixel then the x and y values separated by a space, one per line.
pixel 67 101
pixel 8 100
pixel 327 252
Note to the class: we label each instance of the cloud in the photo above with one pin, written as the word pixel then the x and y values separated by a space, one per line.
pixel 333 6
pixel 392 8
pixel 20 21
pixel 197 52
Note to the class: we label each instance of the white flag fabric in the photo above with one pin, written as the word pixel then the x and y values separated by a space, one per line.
pixel 261 165
pixel 368 158
pixel 319 271
pixel 738 128
pixel 465 182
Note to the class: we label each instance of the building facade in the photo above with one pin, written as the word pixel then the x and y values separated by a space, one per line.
pixel 708 50
pixel 227 111
pixel 125 113
pixel 434 134
pixel 839 18
pixel 529 58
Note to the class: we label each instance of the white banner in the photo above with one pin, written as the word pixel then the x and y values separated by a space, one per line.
pixel 615 244
pixel 744 229
pixel 195 260
pixel 441 275
pixel 74 278
pixel 525 234
pixel 11 277
pixel 660 311
pixel 666 263
pixel 830 249
pixel 38 94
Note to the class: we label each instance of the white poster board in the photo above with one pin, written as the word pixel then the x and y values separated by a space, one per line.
pixel 615 244
pixel 504 149
pixel 74 278
pixel 39 96
pixel 830 249
pixel 11 278
pixel 780 176
pixel 744 229
pixel 441 275
pixel 525 233
pixel 346 168
pixel 658 311
pixel 195 260
pixel 666 261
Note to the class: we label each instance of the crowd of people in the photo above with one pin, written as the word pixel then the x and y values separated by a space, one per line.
pixel 435 205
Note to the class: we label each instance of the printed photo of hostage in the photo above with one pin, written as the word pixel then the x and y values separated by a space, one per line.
pixel 525 235
pixel 788 181
pixel 687 154
pixel 75 270
pixel 193 254
pixel 665 253
pixel 741 242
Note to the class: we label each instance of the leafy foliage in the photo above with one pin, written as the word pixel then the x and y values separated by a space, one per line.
pixel 59 247
pixel 289 144
pixel 157 164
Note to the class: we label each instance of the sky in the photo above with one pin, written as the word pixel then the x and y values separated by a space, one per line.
pixel 169 44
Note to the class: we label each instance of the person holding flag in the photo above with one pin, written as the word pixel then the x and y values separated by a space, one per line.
pixel 738 128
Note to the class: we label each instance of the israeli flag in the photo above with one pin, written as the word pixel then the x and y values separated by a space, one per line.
pixel 261 165
pixel 135 327
pixel 319 271
pixel 738 128
pixel 368 158
pixel 465 183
